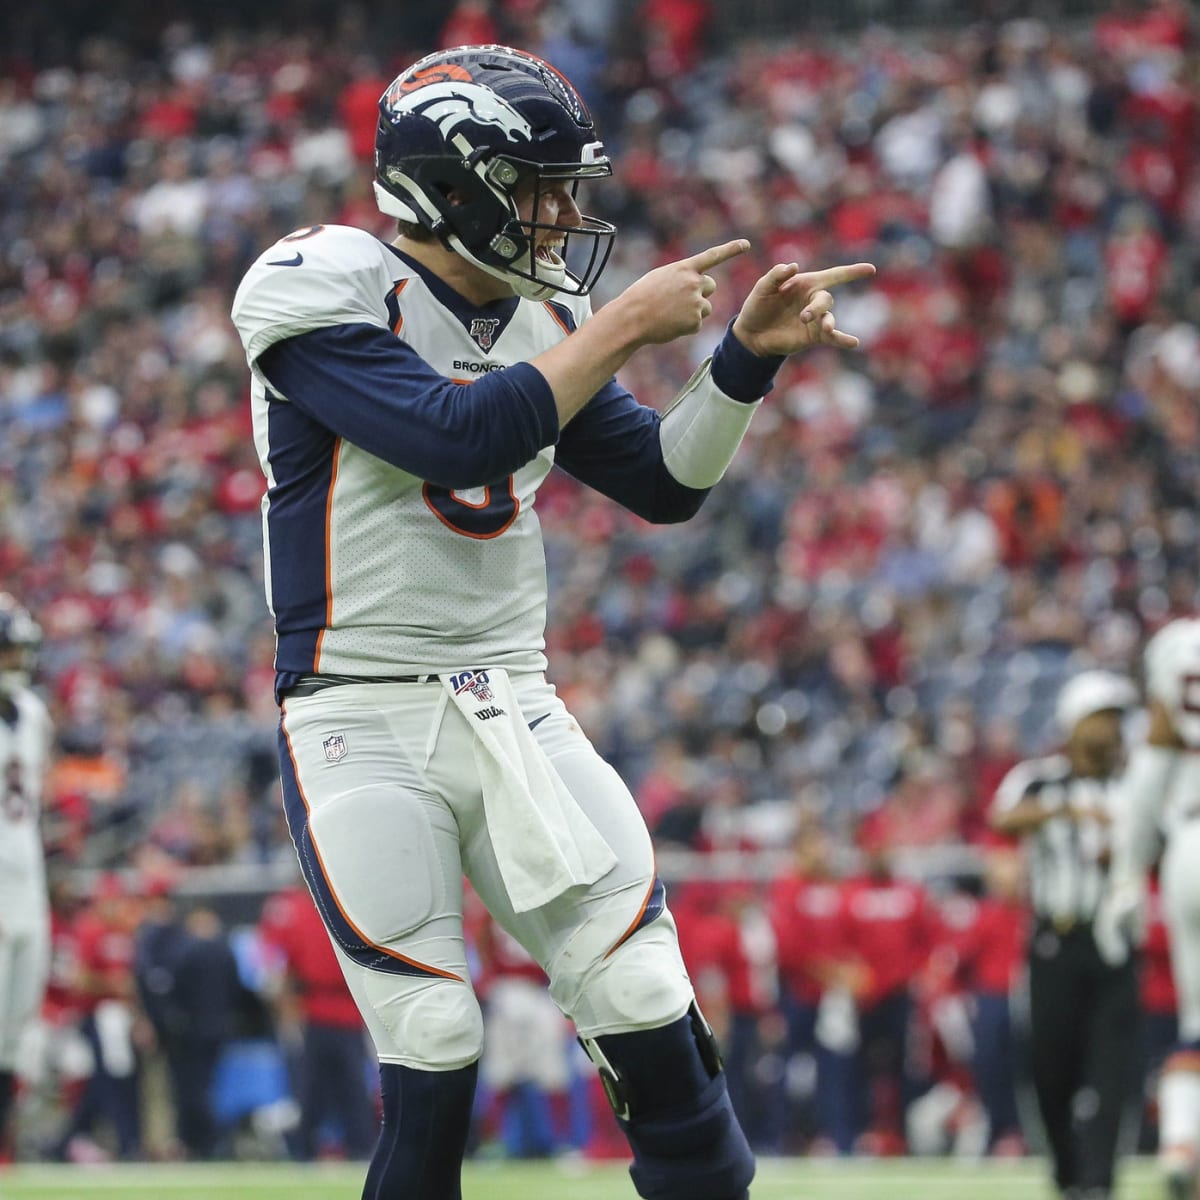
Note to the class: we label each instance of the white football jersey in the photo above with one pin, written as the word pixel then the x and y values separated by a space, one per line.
pixel 1172 665
pixel 369 569
pixel 24 755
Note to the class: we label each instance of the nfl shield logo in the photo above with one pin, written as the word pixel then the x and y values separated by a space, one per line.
pixel 483 330
pixel 478 688
pixel 335 747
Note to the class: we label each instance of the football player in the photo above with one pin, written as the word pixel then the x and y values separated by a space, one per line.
pixel 25 736
pixel 1160 798
pixel 408 400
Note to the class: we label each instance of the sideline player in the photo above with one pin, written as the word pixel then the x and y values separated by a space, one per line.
pixel 408 399
pixel 1161 796
pixel 25 736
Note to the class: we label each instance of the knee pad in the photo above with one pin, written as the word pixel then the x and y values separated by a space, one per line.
pixel 641 984
pixel 430 1024
pixel 669 1094
pixel 426 1120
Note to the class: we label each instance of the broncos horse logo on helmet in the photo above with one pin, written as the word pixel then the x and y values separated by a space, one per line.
pixel 461 132
pixel 450 105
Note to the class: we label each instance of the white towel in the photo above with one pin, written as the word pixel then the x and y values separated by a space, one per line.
pixel 543 840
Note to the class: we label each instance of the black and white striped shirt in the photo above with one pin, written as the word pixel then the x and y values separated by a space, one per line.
pixel 1066 857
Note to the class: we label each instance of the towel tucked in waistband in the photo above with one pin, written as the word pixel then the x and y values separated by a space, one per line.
pixel 543 840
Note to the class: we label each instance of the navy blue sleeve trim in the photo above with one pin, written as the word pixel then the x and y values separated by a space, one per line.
pixel 368 386
pixel 740 373
pixel 612 445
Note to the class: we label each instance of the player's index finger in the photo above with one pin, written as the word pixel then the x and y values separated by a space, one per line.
pixel 832 276
pixel 715 255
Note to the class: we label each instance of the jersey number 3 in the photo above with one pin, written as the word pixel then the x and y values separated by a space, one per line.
pixel 485 518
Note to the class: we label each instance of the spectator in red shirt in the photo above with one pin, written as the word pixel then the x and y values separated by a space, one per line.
pixel 1136 260
pixel 991 952
pixel 314 996
pixel 527 1043
pixel 808 915
pixel 891 929
pixel 106 996
pixel 729 949
pixel 470 23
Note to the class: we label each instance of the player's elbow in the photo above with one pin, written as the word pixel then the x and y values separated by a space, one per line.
pixel 673 503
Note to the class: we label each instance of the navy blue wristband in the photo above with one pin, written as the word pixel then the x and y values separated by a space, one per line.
pixel 740 373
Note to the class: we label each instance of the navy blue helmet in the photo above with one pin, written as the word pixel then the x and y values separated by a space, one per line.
pixel 20 639
pixel 463 135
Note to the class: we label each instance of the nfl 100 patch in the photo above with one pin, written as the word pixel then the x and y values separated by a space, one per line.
pixel 475 682
pixel 483 330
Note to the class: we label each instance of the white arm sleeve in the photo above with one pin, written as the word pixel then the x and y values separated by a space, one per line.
pixel 1138 809
pixel 702 429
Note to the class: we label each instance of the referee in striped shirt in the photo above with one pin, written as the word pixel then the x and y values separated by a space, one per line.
pixel 1083 1004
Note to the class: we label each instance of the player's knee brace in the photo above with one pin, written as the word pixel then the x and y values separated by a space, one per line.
pixel 426 1119
pixel 669 1094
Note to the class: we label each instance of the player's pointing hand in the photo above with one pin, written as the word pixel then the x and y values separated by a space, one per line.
pixel 789 310
pixel 673 300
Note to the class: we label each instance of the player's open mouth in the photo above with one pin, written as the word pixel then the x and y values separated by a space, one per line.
pixel 547 252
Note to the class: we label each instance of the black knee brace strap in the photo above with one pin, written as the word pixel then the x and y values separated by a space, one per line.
pixel 668 1091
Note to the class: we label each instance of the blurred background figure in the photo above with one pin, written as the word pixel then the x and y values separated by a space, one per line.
pixel 25 741
pixel 318 1022
pixel 728 945
pixel 891 930
pixel 107 1000
pixel 203 1006
pixel 807 911
pixel 1156 813
pixel 528 1068
pixel 1083 1035
pixel 1160 1013
pixel 158 945
pixel 992 959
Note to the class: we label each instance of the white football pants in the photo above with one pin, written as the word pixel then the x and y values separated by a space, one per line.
pixel 385 805
pixel 24 967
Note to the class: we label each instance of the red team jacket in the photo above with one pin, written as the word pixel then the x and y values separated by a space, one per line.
pixel 292 926
pixel 891 927
pixel 811 929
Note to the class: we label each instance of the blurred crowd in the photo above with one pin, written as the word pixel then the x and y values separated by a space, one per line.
pixel 867 623
pixel 918 539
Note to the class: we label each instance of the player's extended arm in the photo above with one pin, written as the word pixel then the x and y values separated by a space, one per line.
pixel 1025 817
pixel 1120 922
pixel 603 442
pixel 662 305
pixel 786 311
pixel 1142 795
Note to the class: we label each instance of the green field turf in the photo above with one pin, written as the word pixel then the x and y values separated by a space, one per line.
pixel 794 1179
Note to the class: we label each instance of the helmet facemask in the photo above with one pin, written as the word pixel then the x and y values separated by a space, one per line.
pixel 479 218
pixel 522 252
